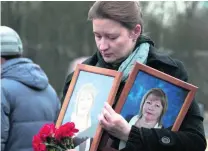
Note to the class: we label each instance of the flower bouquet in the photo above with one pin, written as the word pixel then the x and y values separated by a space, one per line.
pixel 50 138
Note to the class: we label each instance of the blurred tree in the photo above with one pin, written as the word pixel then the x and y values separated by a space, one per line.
pixel 55 33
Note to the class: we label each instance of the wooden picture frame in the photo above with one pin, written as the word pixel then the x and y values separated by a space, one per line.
pixel 143 79
pixel 97 85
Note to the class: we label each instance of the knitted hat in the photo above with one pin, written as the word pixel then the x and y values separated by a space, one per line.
pixel 11 43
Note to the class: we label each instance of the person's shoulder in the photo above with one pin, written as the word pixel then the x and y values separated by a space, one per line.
pixel 156 56
pixel 9 84
pixel 52 93
pixel 133 120
pixel 180 71
pixel 167 64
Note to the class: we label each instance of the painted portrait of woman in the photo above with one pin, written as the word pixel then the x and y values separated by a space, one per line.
pixel 81 115
pixel 84 103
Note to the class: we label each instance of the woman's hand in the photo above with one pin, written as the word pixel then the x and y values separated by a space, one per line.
pixel 114 123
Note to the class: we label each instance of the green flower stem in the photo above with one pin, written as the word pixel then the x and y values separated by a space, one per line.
pixel 52 145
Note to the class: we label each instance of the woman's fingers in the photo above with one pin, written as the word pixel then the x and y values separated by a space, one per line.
pixel 114 123
pixel 107 115
pixel 103 122
pixel 109 108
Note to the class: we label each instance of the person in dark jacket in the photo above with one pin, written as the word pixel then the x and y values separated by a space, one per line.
pixel 118 28
pixel 28 101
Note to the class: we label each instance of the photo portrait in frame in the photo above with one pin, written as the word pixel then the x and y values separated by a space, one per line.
pixel 89 89
pixel 151 95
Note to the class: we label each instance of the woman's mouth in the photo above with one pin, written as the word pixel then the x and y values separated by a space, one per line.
pixel 107 55
pixel 149 113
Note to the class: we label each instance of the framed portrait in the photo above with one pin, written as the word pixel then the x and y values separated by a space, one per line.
pixel 153 99
pixel 89 89
pixel 151 95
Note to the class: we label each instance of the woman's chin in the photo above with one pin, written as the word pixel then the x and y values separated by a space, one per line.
pixel 109 59
pixel 149 118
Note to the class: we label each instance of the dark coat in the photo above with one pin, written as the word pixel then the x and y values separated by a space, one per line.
pixel 190 136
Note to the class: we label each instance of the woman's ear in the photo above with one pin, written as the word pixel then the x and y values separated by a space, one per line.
pixel 135 33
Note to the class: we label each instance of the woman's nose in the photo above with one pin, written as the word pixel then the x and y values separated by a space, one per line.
pixel 151 107
pixel 103 45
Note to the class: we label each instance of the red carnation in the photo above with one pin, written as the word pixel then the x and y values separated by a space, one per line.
pixel 37 143
pixel 50 138
pixel 47 131
pixel 66 130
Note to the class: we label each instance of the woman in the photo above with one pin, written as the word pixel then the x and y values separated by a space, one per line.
pixel 153 106
pixel 84 102
pixel 82 113
pixel 118 29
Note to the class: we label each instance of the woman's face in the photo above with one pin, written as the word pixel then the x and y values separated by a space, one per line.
pixel 152 108
pixel 84 103
pixel 114 41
